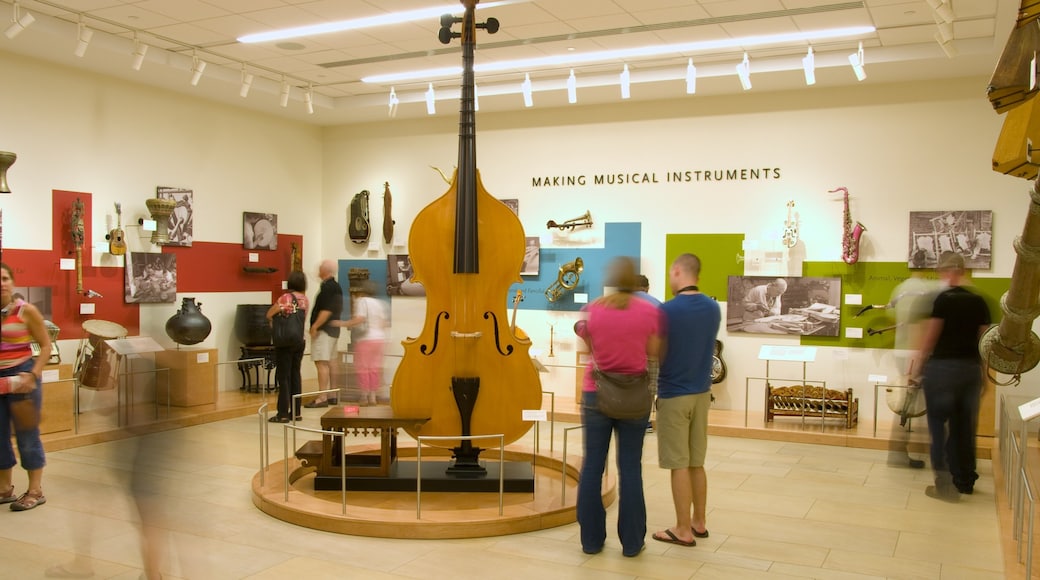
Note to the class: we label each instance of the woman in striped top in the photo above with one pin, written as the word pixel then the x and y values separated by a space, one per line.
pixel 20 405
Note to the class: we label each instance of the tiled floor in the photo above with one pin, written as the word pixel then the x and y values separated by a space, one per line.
pixel 776 510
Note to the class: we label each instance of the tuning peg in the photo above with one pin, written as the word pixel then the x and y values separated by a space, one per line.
pixel 491 25
pixel 447 20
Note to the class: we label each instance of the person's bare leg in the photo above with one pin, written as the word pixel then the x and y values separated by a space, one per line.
pixel 682 497
pixel 324 376
pixel 699 480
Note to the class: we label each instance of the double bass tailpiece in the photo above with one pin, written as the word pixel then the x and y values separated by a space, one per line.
pixel 584 220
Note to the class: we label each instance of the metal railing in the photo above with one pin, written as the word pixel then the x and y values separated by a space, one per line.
pixel 342 462
pixel 501 465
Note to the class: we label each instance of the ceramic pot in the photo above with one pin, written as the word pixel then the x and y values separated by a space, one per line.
pixel 189 325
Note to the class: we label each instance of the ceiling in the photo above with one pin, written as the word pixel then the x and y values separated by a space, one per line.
pixel 332 65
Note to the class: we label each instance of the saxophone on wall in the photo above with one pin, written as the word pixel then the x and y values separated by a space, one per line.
pixel 850 234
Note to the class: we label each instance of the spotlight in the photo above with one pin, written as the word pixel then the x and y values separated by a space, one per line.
pixel 942 9
pixel 392 105
pixel 308 99
pixel 247 82
pixel 809 65
pixel 140 49
pixel 572 88
pixel 197 66
pixel 744 73
pixel 947 46
pixel 691 78
pixel 525 88
pixel 431 98
pixel 945 30
pixel 626 83
pixel 856 60
pixel 283 99
pixel 18 22
pixel 83 37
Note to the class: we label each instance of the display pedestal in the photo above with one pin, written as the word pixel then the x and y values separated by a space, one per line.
pixel 192 376
pixel 57 413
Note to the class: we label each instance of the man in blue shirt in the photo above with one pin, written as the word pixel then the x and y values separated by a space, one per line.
pixel 684 395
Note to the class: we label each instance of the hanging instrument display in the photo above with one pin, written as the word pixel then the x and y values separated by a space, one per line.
pixel 388 220
pixel 566 279
pixel 790 227
pixel 76 224
pixel 357 219
pixel 583 221
pixel 466 370
pixel 850 234
pixel 116 238
pixel 295 258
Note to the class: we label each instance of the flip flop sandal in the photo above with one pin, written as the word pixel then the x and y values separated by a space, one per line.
pixel 28 501
pixel 673 539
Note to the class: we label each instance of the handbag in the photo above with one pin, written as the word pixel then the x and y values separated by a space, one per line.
pixel 287 328
pixel 621 396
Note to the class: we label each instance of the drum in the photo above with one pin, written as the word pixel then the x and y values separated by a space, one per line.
pixel 905 402
pixel 100 362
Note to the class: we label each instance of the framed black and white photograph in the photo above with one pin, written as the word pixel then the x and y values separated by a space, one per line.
pixel 513 204
pixel 532 252
pixel 784 305
pixel 259 231
pixel 181 223
pixel 968 233
pixel 399 277
pixel 150 278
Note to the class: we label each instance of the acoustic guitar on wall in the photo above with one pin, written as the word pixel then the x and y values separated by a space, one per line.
pixel 116 237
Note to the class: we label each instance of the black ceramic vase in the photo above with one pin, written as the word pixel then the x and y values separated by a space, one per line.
pixel 189 325
pixel 251 325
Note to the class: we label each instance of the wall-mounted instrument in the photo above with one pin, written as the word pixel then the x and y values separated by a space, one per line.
pixel 582 221
pixel 295 258
pixel 466 370
pixel 850 234
pixel 7 159
pixel 790 227
pixel 566 279
pixel 357 219
pixel 76 227
pixel 388 220
pixel 116 237
pixel 441 173
pixel 718 366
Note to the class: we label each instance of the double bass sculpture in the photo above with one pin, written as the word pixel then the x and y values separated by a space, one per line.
pixel 466 371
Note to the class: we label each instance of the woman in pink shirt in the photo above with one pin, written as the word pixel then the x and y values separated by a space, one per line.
pixel 621 331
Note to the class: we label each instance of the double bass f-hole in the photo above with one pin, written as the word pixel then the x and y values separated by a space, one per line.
pixel 566 279
pixel 584 220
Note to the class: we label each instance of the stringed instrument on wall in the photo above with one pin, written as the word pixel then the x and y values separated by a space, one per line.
pixel 76 228
pixel 357 222
pixel 388 220
pixel 790 227
pixel 466 370
pixel 116 237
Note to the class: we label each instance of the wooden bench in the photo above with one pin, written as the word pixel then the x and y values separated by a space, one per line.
pixel 808 401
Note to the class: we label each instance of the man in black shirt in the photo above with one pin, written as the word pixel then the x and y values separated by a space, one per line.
pixel 952 380
pixel 327 308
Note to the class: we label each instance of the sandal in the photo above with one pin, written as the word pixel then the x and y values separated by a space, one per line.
pixel 9 496
pixel 28 501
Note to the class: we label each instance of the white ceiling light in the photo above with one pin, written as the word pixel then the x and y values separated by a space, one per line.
pixel 571 59
pixel 856 60
pixel 946 45
pixel 392 105
pixel 83 36
pixel 572 88
pixel 526 89
pixel 744 73
pixel 431 101
pixel 247 82
pixel 283 97
pixel 359 23
pixel 308 99
pixel 942 9
pixel 691 78
pixel 197 66
pixel 19 21
pixel 809 67
pixel 945 30
pixel 140 49
pixel 626 83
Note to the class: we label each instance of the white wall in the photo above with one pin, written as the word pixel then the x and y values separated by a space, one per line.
pixel 77 131
pixel 897 148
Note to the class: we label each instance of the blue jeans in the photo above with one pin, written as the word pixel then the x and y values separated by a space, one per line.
pixel 952 390
pixel 592 516
pixel 30 447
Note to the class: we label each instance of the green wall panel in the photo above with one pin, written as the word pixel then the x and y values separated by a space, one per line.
pixel 719 260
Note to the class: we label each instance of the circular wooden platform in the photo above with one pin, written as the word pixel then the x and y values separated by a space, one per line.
pixel 442 514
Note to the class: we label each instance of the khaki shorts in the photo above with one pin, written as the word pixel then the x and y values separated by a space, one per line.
pixel 323 347
pixel 682 431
